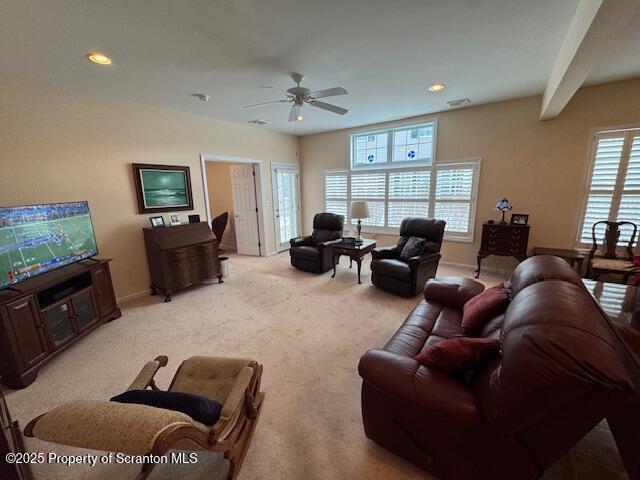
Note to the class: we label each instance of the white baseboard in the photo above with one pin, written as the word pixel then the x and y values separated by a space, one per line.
pixel 500 271
pixel 133 296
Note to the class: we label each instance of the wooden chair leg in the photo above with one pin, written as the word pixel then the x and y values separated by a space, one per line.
pixel 239 451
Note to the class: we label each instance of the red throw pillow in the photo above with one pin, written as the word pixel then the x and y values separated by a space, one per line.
pixel 458 355
pixel 482 308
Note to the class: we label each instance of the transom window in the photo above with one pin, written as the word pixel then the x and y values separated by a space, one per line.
pixel 395 173
pixel 613 185
pixel 412 145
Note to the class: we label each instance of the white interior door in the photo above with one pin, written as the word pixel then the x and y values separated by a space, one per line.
pixel 245 209
pixel 286 199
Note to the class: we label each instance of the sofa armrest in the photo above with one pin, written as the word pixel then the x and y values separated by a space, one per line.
pixel 452 292
pixel 385 252
pixel 405 378
pixel 145 377
pixel 301 241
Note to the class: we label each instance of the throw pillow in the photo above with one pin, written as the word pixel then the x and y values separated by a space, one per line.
pixel 199 408
pixel 482 308
pixel 412 248
pixel 458 355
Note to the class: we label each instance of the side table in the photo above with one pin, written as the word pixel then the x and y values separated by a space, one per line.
pixel 573 257
pixel 353 251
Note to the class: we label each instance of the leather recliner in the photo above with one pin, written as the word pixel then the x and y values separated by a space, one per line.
pixel 556 378
pixel 390 272
pixel 313 253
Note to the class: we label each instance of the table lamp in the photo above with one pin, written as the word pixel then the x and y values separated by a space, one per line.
pixel 359 210
pixel 502 206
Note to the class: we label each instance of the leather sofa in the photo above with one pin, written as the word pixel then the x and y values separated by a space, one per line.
pixel 390 272
pixel 557 376
pixel 313 253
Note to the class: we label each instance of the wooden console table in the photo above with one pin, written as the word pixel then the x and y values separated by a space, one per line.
pixel 571 256
pixel 504 240
pixel 353 251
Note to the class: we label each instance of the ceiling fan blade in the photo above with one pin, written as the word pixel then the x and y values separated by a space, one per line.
pixel 329 92
pixel 295 111
pixel 329 107
pixel 264 104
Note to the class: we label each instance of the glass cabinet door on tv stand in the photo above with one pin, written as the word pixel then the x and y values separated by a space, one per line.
pixel 58 321
pixel 84 310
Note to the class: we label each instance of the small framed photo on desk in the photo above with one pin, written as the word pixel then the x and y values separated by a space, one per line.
pixel 519 219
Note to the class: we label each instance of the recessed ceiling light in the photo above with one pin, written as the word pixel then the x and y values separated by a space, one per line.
pixel 437 87
pixel 97 57
pixel 299 118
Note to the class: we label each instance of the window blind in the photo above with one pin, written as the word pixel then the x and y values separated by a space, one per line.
pixel 395 194
pixel 613 190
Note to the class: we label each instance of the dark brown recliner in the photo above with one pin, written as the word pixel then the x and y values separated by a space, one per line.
pixel 556 378
pixel 390 272
pixel 314 253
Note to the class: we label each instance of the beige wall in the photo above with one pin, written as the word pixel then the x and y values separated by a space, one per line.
pixel 56 147
pixel 221 197
pixel 539 166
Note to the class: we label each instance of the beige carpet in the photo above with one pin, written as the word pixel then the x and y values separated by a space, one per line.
pixel 308 330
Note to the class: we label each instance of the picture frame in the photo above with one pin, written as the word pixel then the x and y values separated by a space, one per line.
pixel 194 218
pixel 157 221
pixel 519 219
pixel 162 188
pixel 174 219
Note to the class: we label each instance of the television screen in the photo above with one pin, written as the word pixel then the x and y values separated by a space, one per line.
pixel 37 238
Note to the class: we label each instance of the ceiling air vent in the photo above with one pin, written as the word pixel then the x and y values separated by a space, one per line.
pixel 458 102
pixel 257 122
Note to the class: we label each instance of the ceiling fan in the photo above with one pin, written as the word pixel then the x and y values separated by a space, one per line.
pixel 298 96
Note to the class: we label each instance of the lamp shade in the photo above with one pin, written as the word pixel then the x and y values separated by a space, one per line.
pixel 360 209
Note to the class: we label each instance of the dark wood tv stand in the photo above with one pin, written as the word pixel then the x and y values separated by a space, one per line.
pixel 44 315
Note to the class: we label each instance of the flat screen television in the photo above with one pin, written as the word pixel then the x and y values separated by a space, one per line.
pixel 35 239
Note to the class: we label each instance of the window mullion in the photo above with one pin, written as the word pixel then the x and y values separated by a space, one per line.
pixel 432 191
pixel 620 178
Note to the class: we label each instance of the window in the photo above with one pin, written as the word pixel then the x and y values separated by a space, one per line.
pixel 395 172
pixel 412 145
pixel 613 188
pixel 445 191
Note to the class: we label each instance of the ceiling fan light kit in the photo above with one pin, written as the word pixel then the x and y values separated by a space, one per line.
pixel 300 95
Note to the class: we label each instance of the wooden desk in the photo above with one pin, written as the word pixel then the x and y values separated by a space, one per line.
pixel 621 306
pixel 354 252
pixel 573 257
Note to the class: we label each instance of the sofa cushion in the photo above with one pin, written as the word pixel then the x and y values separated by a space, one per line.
pixel 458 355
pixel 197 407
pixel 412 248
pixel 556 349
pixel 452 292
pixel 427 324
pixel 483 307
pixel 309 253
pixel 542 268
pixel 391 267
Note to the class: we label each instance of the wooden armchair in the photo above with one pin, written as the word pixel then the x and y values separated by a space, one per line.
pixel 143 430
pixel 607 261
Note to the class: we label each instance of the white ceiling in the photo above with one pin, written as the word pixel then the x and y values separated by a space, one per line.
pixel 383 52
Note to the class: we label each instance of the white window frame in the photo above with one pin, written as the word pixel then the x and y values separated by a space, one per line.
pixel 390 164
pixel 475 163
pixel 629 132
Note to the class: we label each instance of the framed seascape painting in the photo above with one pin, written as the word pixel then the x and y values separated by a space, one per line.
pixel 162 188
